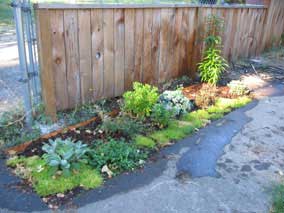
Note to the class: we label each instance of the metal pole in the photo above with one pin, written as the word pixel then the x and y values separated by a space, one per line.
pixel 16 4
pixel 32 72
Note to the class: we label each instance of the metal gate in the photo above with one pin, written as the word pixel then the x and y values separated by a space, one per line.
pixel 28 57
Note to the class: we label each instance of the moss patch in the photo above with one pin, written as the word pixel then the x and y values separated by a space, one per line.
pixel 44 183
pixel 144 142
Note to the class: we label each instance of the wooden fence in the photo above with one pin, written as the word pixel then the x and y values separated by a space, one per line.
pixel 88 52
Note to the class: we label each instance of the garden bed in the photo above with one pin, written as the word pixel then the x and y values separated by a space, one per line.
pixel 117 142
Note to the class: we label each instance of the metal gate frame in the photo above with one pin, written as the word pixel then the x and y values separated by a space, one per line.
pixel 28 56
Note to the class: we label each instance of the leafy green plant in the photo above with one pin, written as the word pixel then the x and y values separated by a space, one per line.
pixel 140 101
pixel 213 64
pixel 117 155
pixel 175 102
pixel 123 125
pixel 238 88
pixel 13 130
pixel 206 96
pixel 65 155
pixel 160 115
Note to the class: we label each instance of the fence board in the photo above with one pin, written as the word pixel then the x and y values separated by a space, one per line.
pixel 85 52
pixel 108 53
pixel 91 53
pixel 97 53
pixel 58 58
pixel 119 51
pixel 129 47
pixel 72 56
pixel 147 76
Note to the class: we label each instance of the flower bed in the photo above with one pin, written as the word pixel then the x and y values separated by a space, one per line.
pixel 80 157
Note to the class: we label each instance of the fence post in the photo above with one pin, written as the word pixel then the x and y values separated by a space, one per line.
pixel 17 10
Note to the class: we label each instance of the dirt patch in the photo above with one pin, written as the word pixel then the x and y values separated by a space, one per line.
pixel 192 91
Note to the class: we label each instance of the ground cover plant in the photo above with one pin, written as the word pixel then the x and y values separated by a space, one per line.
pixel 278 199
pixel 117 140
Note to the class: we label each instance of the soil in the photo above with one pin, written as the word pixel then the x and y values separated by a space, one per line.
pixel 192 91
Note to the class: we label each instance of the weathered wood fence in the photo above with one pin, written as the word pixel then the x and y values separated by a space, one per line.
pixel 88 52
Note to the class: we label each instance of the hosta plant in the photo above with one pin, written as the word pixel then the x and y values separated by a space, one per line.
pixel 65 155
pixel 175 102
pixel 140 101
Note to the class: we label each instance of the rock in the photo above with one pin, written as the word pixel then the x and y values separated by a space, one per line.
pixel 105 169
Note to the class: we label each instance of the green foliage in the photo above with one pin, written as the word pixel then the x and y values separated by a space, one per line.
pixel 278 199
pixel 65 155
pixel 177 130
pixel 212 66
pixel 206 96
pixel 35 169
pixel 160 115
pixel 123 125
pixel 79 114
pixel 175 102
pixel 144 142
pixel 238 88
pixel 233 103
pixel 13 130
pixel 119 156
pixel 140 101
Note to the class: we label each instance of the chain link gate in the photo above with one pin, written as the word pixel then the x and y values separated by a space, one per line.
pixel 28 58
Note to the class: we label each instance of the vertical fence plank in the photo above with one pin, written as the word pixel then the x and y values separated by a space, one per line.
pixel 155 45
pixel 72 56
pixel 177 40
pixel 85 52
pixel 58 58
pixel 138 44
pixel 97 53
pixel 164 42
pixel 45 58
pixel 129 47
pixel 147 76
pixel 109 83
pixel 119 29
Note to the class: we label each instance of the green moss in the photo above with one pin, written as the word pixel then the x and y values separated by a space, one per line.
pixel 160 138
pixel 198 118
pixel 44 183
pixel 278 199
pixel 233 103
pixel 144 142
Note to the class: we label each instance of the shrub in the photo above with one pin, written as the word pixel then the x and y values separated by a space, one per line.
pixel 144 142
pixel 36 170
pixel 140 101
pixel 65 154
pixel 175 102
pixel 117 155
pixel 238 88
pixel 122 125
pixel 212 66
pixel 160 115
pixel 206 96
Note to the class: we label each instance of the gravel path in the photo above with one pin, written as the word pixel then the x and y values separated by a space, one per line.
pixel 10 87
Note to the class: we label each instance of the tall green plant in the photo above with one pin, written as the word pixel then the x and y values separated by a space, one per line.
pixel 213 64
